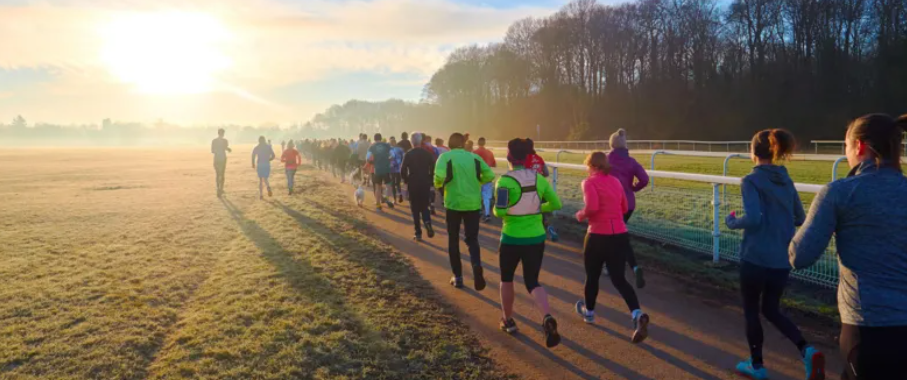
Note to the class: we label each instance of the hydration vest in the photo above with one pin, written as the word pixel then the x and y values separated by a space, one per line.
pixel 529 202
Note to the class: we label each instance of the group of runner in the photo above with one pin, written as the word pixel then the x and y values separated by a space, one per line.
pixel 865 212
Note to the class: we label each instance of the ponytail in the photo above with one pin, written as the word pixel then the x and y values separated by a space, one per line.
pixel 776 145
pixel 883 135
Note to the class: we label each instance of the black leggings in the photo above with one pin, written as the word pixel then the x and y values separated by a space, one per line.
pixel 757 284
pixel 610 251
pixel 530 255
pixel 470 221
pixel 872 353
pixel 631 257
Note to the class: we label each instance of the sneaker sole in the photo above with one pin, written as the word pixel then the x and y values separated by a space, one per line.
pixel 583 316
pixel 642 331
pixel 818 372
pixel 510 330
pixel 552 338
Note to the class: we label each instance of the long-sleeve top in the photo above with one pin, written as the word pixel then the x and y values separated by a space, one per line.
pixel 525 229
pixel 265 154
pixel 866 212
pixel 629 172
pixel 291 158
pixel 462 175
pixel 605 205
pixel 772 211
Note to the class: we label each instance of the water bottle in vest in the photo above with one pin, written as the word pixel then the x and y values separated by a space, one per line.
pixel 529 203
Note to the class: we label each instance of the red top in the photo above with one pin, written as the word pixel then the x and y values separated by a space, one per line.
pixel 535 162
pixel 487 156
pixel 291 158
pixel 605 206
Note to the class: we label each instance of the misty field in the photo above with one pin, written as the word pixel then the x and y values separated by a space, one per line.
pixel 122 264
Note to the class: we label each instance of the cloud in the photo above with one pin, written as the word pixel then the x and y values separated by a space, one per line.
pixel 272 44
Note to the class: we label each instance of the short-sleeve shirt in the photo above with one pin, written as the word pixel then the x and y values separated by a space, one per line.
pixel 396 159
pixel 219 148
pixel 381 154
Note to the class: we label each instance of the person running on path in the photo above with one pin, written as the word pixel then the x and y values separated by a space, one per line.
pixel 362 147
pixel 417 171
pixel 396 161
pixel 462 174
pixel 488 188
pixel 772 211
pixel 607 242
pixel 341 158
pixel 291 160
pixel 380 157
pixel 404 143
pixel 866 214
pixel 262 155
pixel 426 144
pixel 634 178
pixel 219 148
pixel 523 196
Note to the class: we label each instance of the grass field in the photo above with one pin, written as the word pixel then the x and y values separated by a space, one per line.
pixel 122 264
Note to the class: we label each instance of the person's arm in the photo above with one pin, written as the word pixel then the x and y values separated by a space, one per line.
pixel 404 170
pixel 273 156
pixel 624 203
pixel 441 171
pixel 642 178
pixel 799 215
pixel 298 158
pixel 494 163
pixel 812 239
pixel 253 158
pixel 545 172
pixel 550 200
pixel 227 146
pixel 487 174
pixel 752 217
pixel 590 198
pixel 213 143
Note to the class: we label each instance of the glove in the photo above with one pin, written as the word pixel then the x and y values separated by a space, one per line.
pixel 731 219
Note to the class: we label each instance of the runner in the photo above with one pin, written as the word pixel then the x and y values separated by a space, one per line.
pixel 488 188
pixel 523 196
pixel 219 148
pixel 417 171
pixel 535 162
pixel 426 144
pixel 361 151
pixel 264 155
pixel 292 161
pixel 404 142
pixel 634 178
pixel 866 214
pixel 380 158
pixel 462 174
pixel 607 241
pixel 772 212
pixel 396 162
pixel 341 158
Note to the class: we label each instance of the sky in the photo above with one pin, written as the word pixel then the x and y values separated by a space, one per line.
pixel 207 62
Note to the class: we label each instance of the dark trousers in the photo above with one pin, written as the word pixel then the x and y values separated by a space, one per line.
pixel 631 257
pixel 874 353
pixel 531 256
pixel 219 168
pixel 396 188
pixel 420 216
pixel 470 220
pixel 610 251
pixel 766 285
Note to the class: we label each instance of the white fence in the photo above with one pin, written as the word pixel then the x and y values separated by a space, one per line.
pixel 690 145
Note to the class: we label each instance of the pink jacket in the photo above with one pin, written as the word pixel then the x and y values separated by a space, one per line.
pixel 606 204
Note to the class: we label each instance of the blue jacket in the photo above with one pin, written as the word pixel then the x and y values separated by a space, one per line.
pixel 772 210
pixel 867 213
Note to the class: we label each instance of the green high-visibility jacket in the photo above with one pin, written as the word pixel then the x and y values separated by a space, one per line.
pixel 461 174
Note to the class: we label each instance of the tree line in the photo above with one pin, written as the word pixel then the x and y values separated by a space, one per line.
pixel 664 69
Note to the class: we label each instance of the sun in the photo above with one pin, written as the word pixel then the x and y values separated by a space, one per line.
pixel 165 53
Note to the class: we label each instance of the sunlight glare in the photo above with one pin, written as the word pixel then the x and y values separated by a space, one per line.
pixel 165 53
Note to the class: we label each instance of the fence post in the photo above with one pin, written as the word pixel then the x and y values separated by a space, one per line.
pixel 726 162
pixel 716 230
pixel 834 168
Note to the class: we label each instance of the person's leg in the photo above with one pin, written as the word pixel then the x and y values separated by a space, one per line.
pixel 261 184
pixel 850 351
pixel 417 222
pixel 220 168
pixel 453 242
pixel 775 282
pixel 268 184
pixel 471 223
pixel 593 259
pixel 752 284
pixel 508 260
pixel 615 251
pixel 532 266
pixel 291 179
pixel 487 190
pixel 881 352
pixel 431 200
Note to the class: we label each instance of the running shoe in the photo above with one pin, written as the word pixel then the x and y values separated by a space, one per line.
pixel 456 282
pixel 486 219
pixel 641 326
pixel 509 326
pixel 378 206
pixel 552 338
pixel 745 368
pixel 400 199
pixel 554 236
pixel 417 238
pixel 479 277
pixel 390 204
pixel 433 211
pixel 640 281
pixel 290 192
pixel 430 230
pixel 270 194
pixel 588 316
pixel 814 361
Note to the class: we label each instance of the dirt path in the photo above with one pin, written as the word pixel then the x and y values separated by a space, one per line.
pixel 690 338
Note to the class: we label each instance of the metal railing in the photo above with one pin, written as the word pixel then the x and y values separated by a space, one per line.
pixel 694 145
pixel 687 210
